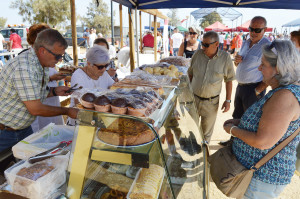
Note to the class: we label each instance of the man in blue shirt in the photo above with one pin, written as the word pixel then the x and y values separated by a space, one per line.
pixel 250 86
pixel 86 35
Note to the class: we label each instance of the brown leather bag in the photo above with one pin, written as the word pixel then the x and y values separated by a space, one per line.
pixel 230 176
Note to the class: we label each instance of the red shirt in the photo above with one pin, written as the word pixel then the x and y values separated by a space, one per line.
pixel 16 39
pixel 148 41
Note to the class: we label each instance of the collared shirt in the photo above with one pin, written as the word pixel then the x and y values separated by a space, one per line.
pixel 208 73
pixel 21 80
pixel 16 39
pixel 247 71
pixel 148 41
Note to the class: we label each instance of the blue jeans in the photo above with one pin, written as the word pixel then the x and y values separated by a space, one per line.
pixel 10 138
pixel 2 57
pixel 175 51
pixel 259 189
pixel 221 46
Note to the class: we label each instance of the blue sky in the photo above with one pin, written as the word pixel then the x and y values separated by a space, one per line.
pixel 275 18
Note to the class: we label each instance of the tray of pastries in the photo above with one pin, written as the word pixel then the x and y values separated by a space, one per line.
pixel 135 102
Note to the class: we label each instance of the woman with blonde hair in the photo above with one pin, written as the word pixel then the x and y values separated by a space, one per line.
pixel 189 47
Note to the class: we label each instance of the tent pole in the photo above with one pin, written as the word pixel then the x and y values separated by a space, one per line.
pixel 155 38
pixel 150 22
pixel 74 32
pixel 112 23
pixel 141 36
pixel 131 40
pixel 137 39
pixel 121 25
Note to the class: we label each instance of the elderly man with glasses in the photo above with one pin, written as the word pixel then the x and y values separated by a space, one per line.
pixel 250 86
pixel 209 67
pixel 24 87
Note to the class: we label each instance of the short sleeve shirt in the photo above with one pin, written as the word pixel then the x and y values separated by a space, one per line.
pixel 1 41
pixel 82 79
pixel 22 79
pixel 16 39
pixel 177 40
pixel 208 74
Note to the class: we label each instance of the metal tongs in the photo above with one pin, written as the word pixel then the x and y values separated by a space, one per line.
pixel 72 89
pixel 51 152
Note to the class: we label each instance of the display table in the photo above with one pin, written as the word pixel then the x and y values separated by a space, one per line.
pixel 100 170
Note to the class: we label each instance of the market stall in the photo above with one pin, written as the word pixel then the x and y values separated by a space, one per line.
pixel 140 135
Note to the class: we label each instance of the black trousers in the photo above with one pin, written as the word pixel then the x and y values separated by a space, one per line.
pixel 244 97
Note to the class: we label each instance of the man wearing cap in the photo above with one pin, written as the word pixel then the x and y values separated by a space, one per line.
pixel 24 87
pixel 86 35
pixel 148 41
pixel 250 86
pixel 209 67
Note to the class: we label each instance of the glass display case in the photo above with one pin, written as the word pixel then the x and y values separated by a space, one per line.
pixel 161 156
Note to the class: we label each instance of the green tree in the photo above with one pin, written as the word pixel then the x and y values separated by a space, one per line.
pixel 2 22
pixel 52 12
pixel 98 17
pixel 210 19
pixel 172 14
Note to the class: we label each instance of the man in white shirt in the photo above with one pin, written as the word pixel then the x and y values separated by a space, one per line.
pixel 92 37
pixel 176 41
pixel 221 38
pixel 2 41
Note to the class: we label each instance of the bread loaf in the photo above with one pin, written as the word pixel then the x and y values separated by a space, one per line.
pixel 148 183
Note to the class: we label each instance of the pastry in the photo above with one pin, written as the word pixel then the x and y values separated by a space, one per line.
pixel 126 132
pixel 148 183
pixel 119 106
pixel 102 104
pixel 137 108
pixel 87 100
pixel 26 178
pixel 36 171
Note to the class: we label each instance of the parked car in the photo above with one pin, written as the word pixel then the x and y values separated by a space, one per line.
pixel 80 39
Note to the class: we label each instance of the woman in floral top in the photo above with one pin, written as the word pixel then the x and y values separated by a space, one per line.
pixel 269 121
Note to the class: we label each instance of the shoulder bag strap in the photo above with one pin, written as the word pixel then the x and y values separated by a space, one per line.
pixel 274 151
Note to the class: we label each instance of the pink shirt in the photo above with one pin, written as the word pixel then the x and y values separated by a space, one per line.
pixel 16 39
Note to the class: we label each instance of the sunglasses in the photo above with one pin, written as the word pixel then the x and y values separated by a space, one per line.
pixel 100 67
pixel 193 33
pixel 57 57
pixel 256 30
pixel 207 45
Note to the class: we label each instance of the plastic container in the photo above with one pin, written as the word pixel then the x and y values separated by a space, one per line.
pixel 42 187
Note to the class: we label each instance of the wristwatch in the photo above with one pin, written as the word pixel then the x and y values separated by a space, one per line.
pixel 229 101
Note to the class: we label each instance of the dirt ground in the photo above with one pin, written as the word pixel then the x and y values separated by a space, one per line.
pixel 292 191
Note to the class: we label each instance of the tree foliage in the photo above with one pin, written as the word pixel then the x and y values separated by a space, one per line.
pixel 98 17
pixel 2 22
pixel 52 12
pixel 210 19
pixel 172 14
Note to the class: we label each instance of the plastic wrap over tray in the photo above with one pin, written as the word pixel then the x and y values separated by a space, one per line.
pixel 177 61
pixel 45 139
pixel 39 180
pixel 140 102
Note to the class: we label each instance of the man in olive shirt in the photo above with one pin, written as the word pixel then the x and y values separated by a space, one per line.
pixel 209 66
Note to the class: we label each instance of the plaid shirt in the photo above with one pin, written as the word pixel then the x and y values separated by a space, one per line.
pixel 21 80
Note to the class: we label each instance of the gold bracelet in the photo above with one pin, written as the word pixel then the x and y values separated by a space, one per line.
pixel 230 131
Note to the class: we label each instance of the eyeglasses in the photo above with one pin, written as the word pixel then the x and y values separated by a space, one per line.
pixel 193 33
pixel 207 45
pixel 256 30
pixel 100 67
pixel 57 57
